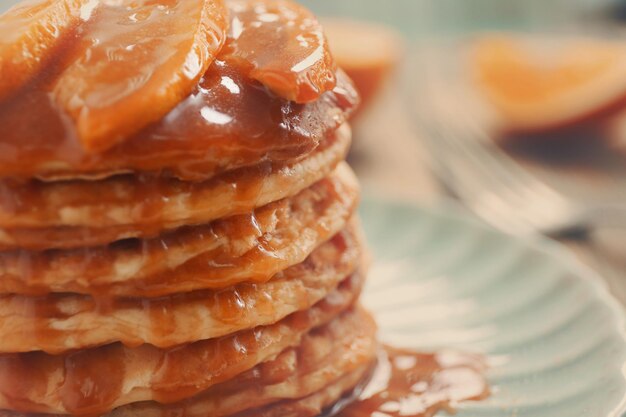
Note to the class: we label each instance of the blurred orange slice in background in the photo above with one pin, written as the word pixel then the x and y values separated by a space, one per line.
pixel 367 52
pixel 539 83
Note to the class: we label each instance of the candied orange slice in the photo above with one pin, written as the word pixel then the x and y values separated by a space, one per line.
pixel 367 52
pixel 29 33
pixel 540 83
pixel 135 61
pixel 285 47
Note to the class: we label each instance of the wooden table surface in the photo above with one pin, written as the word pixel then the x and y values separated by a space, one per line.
pixel 390 161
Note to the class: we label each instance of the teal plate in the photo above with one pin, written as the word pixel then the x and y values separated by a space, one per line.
pixel 552 334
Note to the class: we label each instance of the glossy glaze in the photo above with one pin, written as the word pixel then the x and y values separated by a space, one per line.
pixel 164 375
pixel 230 120
pixel 133 62
pixel 148 208
pixel 248 247
pixel 286 49
pixel 412 384
pixel 126 112
pixel 60 322
pixel 32 32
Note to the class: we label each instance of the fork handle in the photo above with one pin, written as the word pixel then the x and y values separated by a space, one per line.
pixel 605 216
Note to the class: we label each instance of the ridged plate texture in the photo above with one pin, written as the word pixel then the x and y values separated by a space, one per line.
pixel 552 335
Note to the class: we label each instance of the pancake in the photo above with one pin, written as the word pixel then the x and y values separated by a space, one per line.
pixel 345 345
pixel 84 213
pixel 267 129
pixel 62 322
pixel 314 404
pixel 337 355
pixel 115 375
pixel 250 247
pixel 178 235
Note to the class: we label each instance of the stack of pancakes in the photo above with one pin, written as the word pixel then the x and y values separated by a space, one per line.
pixel 185 245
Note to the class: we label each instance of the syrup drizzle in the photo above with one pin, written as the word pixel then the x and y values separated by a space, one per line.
pixel 412 384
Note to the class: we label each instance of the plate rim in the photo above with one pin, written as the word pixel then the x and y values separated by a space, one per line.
pixel 448 208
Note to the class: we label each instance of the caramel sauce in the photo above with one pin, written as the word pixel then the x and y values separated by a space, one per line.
pixel 406 383
pixel 230 120
pixel 117 78
pixel 91 381
pixel 299 67
pixel 30 37
pixel 100 212
pixel 252 246
pixel 170 386
pixel 112 101
pixel 42 323
pixel 88 387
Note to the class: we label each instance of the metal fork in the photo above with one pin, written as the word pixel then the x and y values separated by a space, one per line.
pixel 500 191
pixel 490 182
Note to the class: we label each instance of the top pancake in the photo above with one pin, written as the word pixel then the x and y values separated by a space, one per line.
pixel 230 119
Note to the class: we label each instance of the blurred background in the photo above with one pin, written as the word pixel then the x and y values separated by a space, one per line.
pixel 424 17
pixel 515 110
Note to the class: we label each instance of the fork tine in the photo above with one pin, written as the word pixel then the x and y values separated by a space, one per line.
pixel 486 178
pixel 518 183
pixel 476 143
pixel 489 196
pixel 519 192
pixel 497 203
pixel 473 187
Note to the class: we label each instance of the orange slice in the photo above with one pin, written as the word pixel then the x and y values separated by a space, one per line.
pixel 367 52
pixel 541 84
pixel 29 33
pixel 285 47
pixel 135 62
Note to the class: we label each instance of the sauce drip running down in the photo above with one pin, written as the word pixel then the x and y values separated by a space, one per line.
pixel 411 384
